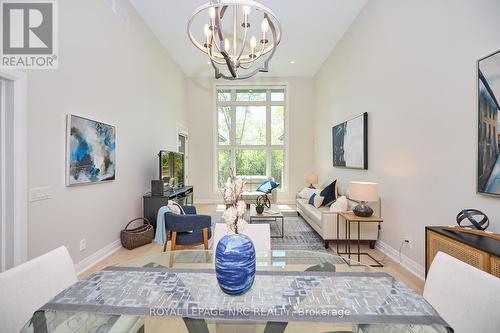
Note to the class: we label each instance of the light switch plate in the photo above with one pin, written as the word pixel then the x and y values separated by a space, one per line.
pixel 40 193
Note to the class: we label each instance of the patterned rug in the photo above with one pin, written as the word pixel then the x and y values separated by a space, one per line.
pixel 298 234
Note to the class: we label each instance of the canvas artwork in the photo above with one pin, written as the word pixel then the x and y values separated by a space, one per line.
pixel 91 149
pixel 488 180
pixel 350 143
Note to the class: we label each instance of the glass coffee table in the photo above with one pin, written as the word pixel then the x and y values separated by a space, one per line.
pixel 270 214
pixel 279 264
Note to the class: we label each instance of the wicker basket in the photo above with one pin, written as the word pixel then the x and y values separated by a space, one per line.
pixel 133 238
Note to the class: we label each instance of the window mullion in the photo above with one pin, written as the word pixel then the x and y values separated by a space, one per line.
pixel 233 129
pixel 233 159
pixel 268 132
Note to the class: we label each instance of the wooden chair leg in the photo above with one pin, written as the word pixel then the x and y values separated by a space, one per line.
pixel 173 241
pixel 205 238
pixel 171 259
pixel 173 247
pixel 169 237
pixel 205 244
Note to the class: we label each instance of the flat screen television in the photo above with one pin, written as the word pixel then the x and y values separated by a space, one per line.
pixel 171 167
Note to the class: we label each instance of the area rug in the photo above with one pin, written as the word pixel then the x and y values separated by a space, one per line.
pixel 298 234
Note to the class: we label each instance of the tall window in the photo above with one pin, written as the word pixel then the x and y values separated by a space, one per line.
pixel 251 132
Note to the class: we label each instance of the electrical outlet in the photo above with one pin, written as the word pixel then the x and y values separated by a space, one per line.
pixel 408 242
pixel 83 244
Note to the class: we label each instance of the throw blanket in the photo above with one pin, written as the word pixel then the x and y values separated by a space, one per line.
pixel 161 233
pixel 277 296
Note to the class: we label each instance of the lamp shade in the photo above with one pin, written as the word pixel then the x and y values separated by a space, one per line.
pixel 312 179
pixel 363 191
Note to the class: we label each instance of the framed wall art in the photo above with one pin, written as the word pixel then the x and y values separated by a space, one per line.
pixel 488 159
pixel 90 151
pixel 350 143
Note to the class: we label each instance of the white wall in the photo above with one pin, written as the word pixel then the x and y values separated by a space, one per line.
pixel 114 73
pixel 412 66
pixel 201 121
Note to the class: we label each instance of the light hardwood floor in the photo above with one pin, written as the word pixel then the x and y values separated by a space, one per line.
pixel 391 267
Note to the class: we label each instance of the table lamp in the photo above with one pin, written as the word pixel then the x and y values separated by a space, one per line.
pixel 312 179
pixel 363 192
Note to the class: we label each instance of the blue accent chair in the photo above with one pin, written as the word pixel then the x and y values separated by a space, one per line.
pixel 188 230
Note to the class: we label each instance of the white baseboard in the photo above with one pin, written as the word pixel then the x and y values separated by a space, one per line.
pixel 287 202
pixel 208 201
pixel 220 202
pixel 409 264
pixel 93 259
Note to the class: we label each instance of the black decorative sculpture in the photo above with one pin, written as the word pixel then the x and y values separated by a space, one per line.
pixel 470 215
pixel 261 203
pixel 267 202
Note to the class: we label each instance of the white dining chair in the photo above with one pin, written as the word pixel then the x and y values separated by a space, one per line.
pixel 466 297
pixel 27 287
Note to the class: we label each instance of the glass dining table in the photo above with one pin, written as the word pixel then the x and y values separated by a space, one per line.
pixel 286 269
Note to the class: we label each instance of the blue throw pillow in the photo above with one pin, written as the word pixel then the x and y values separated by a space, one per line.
pixel 311 199
pixel 329 194
pixel 268 186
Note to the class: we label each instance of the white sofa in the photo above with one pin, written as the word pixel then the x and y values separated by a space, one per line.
pixel 251 194
pixel 325 222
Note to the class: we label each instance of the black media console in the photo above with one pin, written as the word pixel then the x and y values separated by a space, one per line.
pixel 151 203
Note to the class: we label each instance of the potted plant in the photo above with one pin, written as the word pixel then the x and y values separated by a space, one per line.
pixel 260 204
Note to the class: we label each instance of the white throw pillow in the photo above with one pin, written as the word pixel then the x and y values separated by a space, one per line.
pixel 307 192
pixel 340 205
pixel 175 207
pixel 318 201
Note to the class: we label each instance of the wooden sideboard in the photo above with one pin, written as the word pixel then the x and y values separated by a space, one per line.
pixel 478 251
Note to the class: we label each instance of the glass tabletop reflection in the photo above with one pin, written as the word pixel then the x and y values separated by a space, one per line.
pixel 289 261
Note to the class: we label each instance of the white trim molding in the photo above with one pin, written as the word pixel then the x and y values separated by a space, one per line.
pixel 182 130
pixel 102 254
pixel 221 202
pixel 409 264
pixel 208 202
pixel 17 88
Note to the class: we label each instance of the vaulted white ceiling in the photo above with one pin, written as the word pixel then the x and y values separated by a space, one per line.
pixel 311 29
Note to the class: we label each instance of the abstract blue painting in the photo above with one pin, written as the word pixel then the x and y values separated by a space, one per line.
pixel 91 151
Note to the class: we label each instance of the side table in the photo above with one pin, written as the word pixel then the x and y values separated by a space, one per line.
pixel 349 218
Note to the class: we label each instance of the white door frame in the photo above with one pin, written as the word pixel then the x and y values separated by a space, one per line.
pixel 17 87
pixel 184 131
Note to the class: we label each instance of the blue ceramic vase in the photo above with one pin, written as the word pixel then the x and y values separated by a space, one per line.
pixel 235 264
